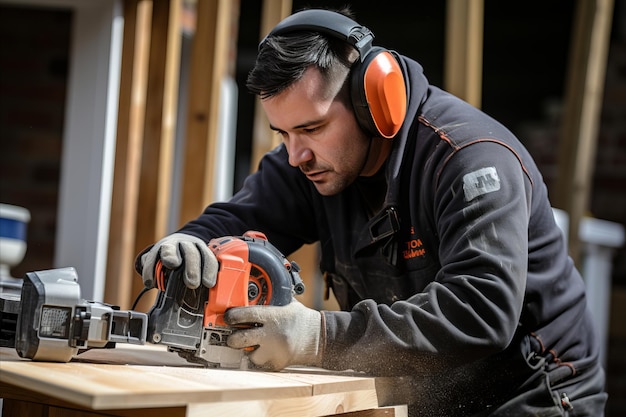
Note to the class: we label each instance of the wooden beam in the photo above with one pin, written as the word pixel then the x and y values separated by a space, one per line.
pixel 209 65
pixel 159 128
pixel 263 139
pixel 464 49
pixel 132 102
pixel 581 118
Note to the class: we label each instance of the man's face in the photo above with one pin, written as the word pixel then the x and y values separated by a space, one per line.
pixel 321 134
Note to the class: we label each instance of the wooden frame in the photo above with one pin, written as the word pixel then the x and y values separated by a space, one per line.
pixel 464 49
pixel 581 119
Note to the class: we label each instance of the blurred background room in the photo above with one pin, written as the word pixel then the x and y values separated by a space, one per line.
pixel 122 119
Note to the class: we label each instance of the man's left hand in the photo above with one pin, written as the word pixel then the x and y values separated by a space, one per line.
pixel 282 335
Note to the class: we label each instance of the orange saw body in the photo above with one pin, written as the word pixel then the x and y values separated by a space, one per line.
pixel 191 321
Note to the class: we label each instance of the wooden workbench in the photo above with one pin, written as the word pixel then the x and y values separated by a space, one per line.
pixel 149 381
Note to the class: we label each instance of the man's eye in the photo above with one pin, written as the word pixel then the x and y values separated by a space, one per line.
pixel 312 129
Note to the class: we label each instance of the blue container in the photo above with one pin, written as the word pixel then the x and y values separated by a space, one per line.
pixel 13 222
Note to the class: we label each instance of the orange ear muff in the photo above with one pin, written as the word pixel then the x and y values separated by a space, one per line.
pixel 385 93
pixel 379 93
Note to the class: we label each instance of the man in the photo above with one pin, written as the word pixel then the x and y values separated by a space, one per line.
pixel 436 233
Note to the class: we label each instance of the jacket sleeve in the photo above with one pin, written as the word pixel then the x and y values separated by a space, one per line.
pixel 480 204
pixel 274 200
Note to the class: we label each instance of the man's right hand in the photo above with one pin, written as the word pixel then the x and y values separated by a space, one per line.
pixel 180 250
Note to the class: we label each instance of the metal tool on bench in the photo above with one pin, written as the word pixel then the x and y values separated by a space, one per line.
pixel 50 322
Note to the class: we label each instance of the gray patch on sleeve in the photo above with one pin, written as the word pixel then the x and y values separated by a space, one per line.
pixel 482 181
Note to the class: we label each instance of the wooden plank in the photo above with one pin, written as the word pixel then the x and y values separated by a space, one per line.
pixel 581 118
pixel 15 408
pixel 395 411
pixel 464 49
pixel 65 412
pixel 314 406
pixel 96 386
pixel 121 251
pixel 319 379
pixel 209 59
pixel 118 386
pixel 159 129
pixel 25 402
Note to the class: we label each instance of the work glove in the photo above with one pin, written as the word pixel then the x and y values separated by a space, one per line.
pixel 283 335
pixel 180 250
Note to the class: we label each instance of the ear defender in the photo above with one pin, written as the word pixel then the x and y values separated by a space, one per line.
pixel 379 93
pixel 377 86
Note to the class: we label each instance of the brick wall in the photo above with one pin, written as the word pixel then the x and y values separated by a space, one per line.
pixel 33 72
pixel 608 199
pixel 608 193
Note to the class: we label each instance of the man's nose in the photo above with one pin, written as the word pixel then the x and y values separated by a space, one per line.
pixel 299 153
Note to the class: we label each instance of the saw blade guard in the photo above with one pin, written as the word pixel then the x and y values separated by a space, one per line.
pixel 251 272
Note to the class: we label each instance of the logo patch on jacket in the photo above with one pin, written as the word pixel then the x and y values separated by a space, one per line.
pixel 413 248
pixel 482 181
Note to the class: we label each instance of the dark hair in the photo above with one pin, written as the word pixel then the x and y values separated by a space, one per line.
pixel 283 59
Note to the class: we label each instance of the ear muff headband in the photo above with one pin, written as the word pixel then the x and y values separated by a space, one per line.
pixel 378 90
pixel 328 23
